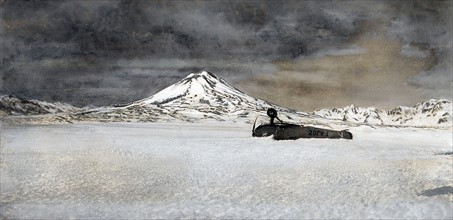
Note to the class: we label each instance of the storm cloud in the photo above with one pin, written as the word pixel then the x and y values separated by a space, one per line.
pixel 107 52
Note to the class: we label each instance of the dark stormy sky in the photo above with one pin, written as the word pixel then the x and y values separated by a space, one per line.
pixel 299 54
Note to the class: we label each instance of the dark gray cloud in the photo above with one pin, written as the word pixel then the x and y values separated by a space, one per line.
pixel 428 25
pixel 183 29
pixel 105 52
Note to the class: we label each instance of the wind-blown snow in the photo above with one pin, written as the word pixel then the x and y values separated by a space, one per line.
pixel 217 170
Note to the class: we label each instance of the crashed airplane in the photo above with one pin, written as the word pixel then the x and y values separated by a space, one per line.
pixel 286 131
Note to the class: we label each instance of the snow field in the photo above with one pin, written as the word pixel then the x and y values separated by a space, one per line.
pixel 217 170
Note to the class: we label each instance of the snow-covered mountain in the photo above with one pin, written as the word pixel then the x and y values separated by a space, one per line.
pixel 430 113
pixel 204 93
pixel 10 105
pixel 197 96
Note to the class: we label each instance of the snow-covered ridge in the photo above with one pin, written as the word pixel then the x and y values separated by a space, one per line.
pixel 430 113
pixel 10 105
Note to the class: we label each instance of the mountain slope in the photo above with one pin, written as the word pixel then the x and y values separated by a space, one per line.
pixel 10 105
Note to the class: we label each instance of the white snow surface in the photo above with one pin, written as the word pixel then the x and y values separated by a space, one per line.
pixel 217 170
